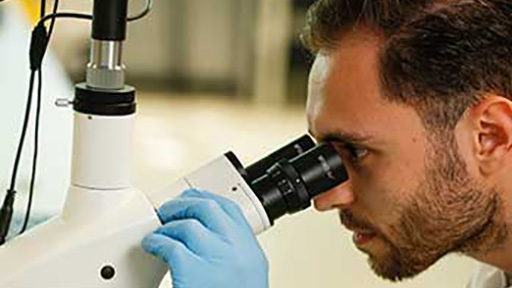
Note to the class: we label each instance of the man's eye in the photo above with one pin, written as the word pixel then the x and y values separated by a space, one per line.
pixel 356 153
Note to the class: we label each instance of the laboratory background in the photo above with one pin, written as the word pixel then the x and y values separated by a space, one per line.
pixel 212 76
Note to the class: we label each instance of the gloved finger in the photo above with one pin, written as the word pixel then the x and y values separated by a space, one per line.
pixel 192 234
pixel 230 207
pixel 207 211
pixel 171 251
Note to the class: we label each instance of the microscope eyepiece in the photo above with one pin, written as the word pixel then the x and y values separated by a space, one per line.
pixel 289 151
pixel 289 184
pixel 320 168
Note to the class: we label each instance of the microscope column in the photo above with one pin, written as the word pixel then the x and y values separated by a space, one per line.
pixel 101 196
pixel 95 242
pixel 104 106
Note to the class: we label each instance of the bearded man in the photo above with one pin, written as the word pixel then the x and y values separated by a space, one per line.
pixel 416 95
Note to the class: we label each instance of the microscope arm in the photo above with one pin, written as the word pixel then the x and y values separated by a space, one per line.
pixel 95 242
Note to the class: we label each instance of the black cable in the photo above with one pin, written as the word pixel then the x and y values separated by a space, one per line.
pixel 23 131
pixel 147 9
pixel 36 129
pixel 52 24
pixel 65 15
pixel 36 151
pixel 25 123
pixel 7 208
pixel 38 41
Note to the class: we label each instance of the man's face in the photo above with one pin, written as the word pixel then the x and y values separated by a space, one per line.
pixel 409 199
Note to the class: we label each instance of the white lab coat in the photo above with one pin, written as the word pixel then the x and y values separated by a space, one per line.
pixel 487 276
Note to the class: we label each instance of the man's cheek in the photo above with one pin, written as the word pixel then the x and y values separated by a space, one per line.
pixel 380 205
pixel 369 195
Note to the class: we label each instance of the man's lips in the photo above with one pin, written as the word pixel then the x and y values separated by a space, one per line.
pixel 363 233
pixel 354 227
pixel 363 237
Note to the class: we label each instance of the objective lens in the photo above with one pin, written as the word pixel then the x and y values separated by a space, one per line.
pixel 289 185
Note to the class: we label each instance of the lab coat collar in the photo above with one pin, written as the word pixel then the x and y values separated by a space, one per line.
pixel 487 276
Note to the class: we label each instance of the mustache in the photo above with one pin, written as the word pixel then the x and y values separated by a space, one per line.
pixel 351 222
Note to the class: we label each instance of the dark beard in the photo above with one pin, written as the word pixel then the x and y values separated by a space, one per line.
pixel 450 213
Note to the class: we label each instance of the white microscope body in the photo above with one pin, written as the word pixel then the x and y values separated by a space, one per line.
pixel 95 242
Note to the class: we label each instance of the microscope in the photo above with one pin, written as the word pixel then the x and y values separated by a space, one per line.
pixel 95 241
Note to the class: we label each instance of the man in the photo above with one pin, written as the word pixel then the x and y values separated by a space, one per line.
pixel 417 97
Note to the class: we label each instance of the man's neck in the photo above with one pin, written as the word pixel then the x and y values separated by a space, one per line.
pixel 501 258
pixel 499 254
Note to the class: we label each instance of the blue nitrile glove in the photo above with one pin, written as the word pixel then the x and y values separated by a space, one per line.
pixel 207 243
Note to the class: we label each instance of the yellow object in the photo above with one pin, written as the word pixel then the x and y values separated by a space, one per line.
pixel 32 9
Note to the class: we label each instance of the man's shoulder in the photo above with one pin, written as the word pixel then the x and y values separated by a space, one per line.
pixel 487 276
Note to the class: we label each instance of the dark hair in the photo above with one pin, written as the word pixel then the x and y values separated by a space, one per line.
pixel 440 56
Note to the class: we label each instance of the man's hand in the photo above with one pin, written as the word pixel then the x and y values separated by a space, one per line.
pixel 206 242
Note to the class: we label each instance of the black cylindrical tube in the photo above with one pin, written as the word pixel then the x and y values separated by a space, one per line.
pixel 104 102
pixel 270 197
pixel 288 186
pixel 320 169
pixel 289 151
pixel 109 20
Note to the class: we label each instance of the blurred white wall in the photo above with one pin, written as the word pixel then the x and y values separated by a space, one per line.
pixel 194 40
pixel 71 38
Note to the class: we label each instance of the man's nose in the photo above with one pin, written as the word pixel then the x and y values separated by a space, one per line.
pixel 339 196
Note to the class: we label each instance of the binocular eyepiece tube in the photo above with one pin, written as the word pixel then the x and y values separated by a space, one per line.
pixel 287 180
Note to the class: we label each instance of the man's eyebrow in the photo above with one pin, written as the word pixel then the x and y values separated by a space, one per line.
pixel 345 137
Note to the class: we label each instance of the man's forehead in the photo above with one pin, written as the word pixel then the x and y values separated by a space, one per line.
pixel 320 68
pixel 317 80
pixel 344 85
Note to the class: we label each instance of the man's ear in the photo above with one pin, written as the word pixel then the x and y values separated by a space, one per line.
pixel 492 133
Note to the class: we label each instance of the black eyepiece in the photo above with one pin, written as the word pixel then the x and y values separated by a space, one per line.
pixel 289 185
pixel 321 169
pixel 289 151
